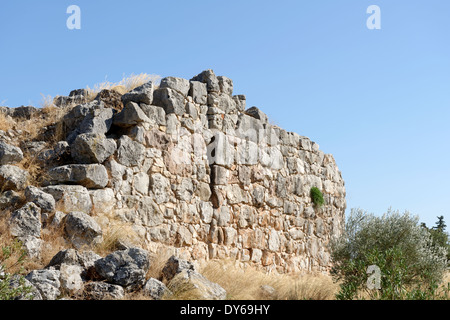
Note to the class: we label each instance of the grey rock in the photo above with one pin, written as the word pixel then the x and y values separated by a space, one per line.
pixel 70 278
pixel 13 178
pixel 240 101
pixel 258 196
pixel 98 120
pixel 175 266
pixel 46 282
pixel 248 127
pixel 142 210
pixel 82 229
pixel 185 190
pixel 130 115
pixel 154 113
pixel 40 198
pixel 92 176
pixel 92 148
pixel 208 77
pixel 83 259
pixel 198 91
pixel 257 114
pixel 141 94
pixel 197 286
pixel 103 291
pixel 21 282
pixel 9 154
pixel 9 199
pixel 155 289
pixel 126 267
pixel 226 85
pixel 32 246
pixel 85 113
pixel 70 198
pixel 26 221
pixel 206 212
pixel 178 84
pixel 130 153
pixel 160 187
pixel 170 100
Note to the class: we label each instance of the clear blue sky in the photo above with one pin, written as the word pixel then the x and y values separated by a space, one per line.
pixel 378 100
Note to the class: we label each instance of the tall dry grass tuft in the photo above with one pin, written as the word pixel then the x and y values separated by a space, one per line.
pixel 6 123
pixel 125 85
pixel 246 284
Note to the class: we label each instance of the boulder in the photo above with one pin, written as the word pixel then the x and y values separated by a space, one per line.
pixel 46 282
pixel 13 178
pixel 103 291
pixel 131 115
pixel 43 200
pixel 83 259
pixel 198 91
pixel 155 289
pixel 240 101
pixel 226 85
pixel 130 153
pixel 92 148
pixel 9 154
pixel 178 84
pixel 174 266
pixel 257 114
pixel 21 282
pixel 154 113
pixel 196 286
pixel 170 100
pixel 127 268
pixel 70 198
pixel 208 77
pixel 26 221
pixel 92 176
pixel 70 278
pixel 82 229
pixel 141 94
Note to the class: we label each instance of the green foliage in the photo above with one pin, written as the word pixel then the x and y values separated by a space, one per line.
pixel 410 265
pixel 317 197
pixel 439 237
pixel 13 285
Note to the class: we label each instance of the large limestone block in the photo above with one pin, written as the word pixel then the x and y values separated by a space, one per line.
pixel 91 176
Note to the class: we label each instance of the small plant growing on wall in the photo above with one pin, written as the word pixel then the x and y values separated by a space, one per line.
pixel 317 197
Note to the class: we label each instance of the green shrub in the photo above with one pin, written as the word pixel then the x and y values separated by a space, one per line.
pixel 12 286
pixel 317 197
pixel 409 264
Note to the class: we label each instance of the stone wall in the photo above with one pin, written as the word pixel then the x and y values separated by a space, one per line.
pixel 189 167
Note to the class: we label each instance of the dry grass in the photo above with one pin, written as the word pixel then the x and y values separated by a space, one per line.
pixel 6 123
pixel 246 284
pixel 125 85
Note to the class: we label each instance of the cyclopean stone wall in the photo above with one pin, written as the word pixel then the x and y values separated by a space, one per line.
pixel 189 167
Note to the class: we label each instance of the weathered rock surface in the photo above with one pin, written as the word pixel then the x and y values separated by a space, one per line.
pixel 92 148
pixel 13 178
pixel 91 176
pixel 126 268
pixel 82 230
pixel 9 154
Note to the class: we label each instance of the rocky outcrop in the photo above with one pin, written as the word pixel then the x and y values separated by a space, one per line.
pixel 189 167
